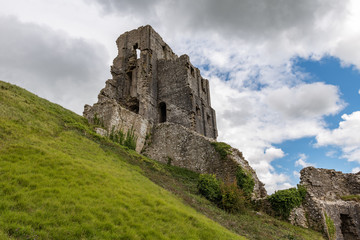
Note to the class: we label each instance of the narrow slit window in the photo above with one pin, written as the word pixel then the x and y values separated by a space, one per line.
pixel 162 112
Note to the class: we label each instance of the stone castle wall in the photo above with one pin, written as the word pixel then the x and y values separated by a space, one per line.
pixel 176 145
pixel 325 189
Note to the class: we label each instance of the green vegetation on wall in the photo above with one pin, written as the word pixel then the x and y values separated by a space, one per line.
pixel 222 148
pixel 283 201
pixel 245 181
pixel 97 121
pixel 330 227
pixel 128 140
pixel 355 198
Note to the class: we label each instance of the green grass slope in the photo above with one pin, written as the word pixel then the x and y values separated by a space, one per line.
pixel 59 180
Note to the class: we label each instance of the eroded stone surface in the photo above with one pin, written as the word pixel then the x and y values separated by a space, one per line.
pixel 149 80
pixel 325 188
pixel 176 145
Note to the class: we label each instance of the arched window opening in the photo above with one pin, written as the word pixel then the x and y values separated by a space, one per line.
pixel 162 112
pixel 138 51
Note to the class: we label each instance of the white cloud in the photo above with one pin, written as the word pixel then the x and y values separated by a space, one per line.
pixel 301 162
pixel 296 174
pixel 332 154
pixel 355 170
pixel 345 136
pixel 305 100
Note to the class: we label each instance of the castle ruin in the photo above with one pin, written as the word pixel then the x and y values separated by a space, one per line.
pixel 148 79
pixel 327 204
pixel 165 101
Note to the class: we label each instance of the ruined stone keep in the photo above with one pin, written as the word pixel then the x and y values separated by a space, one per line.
pixel 165 101
pixel 150 80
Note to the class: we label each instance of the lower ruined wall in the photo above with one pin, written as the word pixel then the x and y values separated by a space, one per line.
pixel 324 190
pixel 174 144
pixel 114 117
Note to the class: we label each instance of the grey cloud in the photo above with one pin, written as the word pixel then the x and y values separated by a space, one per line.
pixel 131 7
pixel 53 65
pixel 240 18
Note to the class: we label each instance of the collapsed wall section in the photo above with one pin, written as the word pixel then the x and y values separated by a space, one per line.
pixel 324 203
pixel 176 145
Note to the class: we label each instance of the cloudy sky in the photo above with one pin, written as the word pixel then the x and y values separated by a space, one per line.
pixel 284 74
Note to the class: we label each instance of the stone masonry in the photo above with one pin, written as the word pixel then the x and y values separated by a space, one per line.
pixel 166 102
pixel 149 80
pixel 179 146
pixel 325 189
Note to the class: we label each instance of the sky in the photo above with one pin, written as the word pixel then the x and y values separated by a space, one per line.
pixel 284 74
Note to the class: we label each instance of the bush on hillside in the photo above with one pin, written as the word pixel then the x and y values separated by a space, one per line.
pixel 232 198
pixel 283 201
pixel 209 186
pixel 227 196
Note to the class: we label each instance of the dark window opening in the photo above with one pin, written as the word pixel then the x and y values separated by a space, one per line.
pixel 192 71
pixel 208 118
pixel 164 51
pixel 129 74
pixel 162 112
pixel 348 228
pixel 136 46
pixel 134 108
pixel 134 105
pixel 198 111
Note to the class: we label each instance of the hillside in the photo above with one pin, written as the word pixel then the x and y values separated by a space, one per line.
pixel 59 180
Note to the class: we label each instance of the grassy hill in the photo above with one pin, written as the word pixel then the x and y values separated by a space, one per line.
pixel 59 180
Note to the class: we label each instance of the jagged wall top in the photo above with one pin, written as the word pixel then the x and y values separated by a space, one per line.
pixel 152 81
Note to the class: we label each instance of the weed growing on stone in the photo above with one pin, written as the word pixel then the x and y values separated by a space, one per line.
pixel 330 227
pixel 222 148
pixel 245 181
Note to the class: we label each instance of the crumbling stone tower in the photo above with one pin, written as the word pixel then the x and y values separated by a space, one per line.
pixel 163 99
pixel 151 81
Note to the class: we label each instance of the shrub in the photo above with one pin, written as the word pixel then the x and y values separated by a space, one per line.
pixel 97 121
pixel 127 140
pixel 245 181
pixel 209 187
pixel 130 140
pixel 232 198
pixel 117 136
pixel 222 148
pixel 283 201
